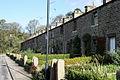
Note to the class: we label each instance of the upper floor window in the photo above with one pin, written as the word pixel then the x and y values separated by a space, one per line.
pixel 95 18
pixel 61 30
pixel 75 26
pixel 52 34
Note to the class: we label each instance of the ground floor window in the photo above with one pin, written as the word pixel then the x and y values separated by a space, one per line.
pixel 112 44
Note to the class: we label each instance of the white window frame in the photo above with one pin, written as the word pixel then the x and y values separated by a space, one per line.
pixel 112 44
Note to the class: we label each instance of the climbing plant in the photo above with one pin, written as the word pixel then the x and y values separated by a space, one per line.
pixel 87 44
pixel 74 46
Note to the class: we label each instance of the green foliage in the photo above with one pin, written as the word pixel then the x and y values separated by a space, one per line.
pixel 11 37
pixel 87 43
pixel 77 60
pixel 114 57
pixel 75 75
pixel 106 72
pixel 29 51
pixel 15 50
pixel 29 61
pixel 74 46
pixel 97 58
pixel 38 75
pixel 28 65
pixel 43 56
pixel 2 53
pixel 69 14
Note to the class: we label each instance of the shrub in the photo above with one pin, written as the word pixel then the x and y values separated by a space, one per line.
pixel 15 50
pixel 28 65
pixel 27 68
pixel 29 61
pixel 54 56
pixel 104 71
pixel 29 51
pixel 32 69
pixel 75 75
pixel 97 58
pixel 113 57
pixel 41 74
pixel 38 75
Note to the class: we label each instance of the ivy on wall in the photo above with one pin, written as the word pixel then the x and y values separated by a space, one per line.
pixel 74 46
pixel 87 44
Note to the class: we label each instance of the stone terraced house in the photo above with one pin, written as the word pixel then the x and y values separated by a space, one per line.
pixel 98 30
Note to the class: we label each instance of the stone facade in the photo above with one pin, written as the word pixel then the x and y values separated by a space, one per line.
pixel 100 23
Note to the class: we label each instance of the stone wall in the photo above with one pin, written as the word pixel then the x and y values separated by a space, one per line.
pixel 108 23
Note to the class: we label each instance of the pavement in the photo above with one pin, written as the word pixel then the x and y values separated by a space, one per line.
pixel 4 73
pixel 9 70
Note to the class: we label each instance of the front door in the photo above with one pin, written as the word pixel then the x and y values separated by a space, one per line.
pixel 101 42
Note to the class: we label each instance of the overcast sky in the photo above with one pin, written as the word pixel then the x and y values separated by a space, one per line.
pixel 22 11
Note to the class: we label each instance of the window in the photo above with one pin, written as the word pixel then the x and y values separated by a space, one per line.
pixel 75 26
pixel 61 30
pixel 112 44
pixel 95 18
pixel 53 34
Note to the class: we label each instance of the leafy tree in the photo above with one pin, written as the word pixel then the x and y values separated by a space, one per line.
pixel 11 36
pixel 69 14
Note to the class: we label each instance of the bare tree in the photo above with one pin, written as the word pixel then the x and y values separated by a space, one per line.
pixel 32 26
pixel 58 18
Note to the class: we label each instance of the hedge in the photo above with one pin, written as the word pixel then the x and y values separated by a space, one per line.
pixel 50 56
pixel 75 75
pixel 77 60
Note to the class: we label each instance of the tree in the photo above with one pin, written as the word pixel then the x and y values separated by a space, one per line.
pixel 32 26
pixel 2 21
pixel 58 18
pixel 77 9
pixel 69 14
pixel 11 36
pixel 40 29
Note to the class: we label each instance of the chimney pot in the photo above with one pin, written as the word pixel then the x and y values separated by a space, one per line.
pixel 105 1
pixel 89 8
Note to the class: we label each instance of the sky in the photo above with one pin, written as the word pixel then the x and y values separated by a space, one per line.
pixel 22 11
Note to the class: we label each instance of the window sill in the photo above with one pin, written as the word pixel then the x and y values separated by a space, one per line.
pixel 94 25
pixel 74 31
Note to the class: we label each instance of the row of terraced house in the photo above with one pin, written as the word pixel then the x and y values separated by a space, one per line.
pixel 98 30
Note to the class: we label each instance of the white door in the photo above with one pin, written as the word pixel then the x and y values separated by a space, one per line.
pixel 112 44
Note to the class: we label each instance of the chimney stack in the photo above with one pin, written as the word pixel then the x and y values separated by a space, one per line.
pixel 77 12
pixel 89 8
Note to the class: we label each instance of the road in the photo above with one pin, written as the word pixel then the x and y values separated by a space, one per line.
pixel 9 70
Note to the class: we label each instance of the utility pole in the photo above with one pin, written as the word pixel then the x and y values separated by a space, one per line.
pixel 47 36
